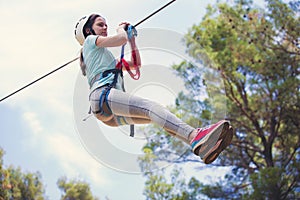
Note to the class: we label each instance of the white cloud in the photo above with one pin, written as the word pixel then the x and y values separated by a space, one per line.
pixel 33 122
pixel 74 158
pixel 64 148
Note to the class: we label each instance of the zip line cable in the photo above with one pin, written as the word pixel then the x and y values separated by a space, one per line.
pixel 39 79
pixel 44 76
pixel 158 10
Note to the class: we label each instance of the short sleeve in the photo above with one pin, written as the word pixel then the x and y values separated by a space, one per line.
pixel 90 41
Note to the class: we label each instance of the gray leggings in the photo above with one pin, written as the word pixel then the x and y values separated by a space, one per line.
pixel 129 109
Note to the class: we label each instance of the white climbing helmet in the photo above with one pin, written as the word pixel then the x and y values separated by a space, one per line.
pixel 79 29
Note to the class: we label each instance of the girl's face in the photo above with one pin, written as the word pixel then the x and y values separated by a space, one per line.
pixel 100 26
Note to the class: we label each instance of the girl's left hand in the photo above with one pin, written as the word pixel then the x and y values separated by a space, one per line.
pixel 124 25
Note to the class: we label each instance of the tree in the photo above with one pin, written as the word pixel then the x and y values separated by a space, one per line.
pixel 75 189
pixel 18 185
pixel 257 54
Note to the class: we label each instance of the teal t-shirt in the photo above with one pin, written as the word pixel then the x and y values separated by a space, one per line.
pixel 97 60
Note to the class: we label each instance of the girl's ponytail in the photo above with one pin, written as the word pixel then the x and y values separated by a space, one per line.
pixel 82 64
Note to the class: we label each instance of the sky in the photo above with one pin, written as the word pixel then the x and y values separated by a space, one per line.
pixel 41 127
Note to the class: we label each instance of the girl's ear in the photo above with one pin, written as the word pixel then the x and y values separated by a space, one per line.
pixel 88 31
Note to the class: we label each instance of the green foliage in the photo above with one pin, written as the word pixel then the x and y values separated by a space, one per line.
pixel 74 189
pixel 176 188
pixel 158 184
pixel 18 185
pixel 267 183
pixel 157 152
pixel 256 54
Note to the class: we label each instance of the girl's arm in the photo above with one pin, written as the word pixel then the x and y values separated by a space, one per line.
pixel 113 41
pixel 135 60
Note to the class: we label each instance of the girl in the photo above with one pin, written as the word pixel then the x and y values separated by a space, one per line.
pixel 114 107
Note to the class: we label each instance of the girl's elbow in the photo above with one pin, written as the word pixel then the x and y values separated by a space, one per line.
pixel 124 39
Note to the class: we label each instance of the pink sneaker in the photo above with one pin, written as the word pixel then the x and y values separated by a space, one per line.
pixel 211 141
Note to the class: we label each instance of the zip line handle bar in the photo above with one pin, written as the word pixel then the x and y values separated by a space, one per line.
pixel 44 76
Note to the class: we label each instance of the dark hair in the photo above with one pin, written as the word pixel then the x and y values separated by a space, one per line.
pixel 82 64
pixel 89 24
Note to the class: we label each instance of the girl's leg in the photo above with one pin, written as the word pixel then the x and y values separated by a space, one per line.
pixel 119 121
pixel 108 117
pixel 134 108
pixel 207 142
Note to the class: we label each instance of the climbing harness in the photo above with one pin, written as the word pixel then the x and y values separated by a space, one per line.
pixel 118 71
pixel 131 32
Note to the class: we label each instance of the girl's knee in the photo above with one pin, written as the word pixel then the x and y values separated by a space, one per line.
pixel 104 118
pixel 111 122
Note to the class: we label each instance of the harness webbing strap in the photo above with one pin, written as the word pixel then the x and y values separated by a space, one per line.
pixel 131 32
pixel 133 54
pixel 116 73
pixel 101 101
pixel 135 75
pixel 131 130
pixel 123 63
pixel 119 71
